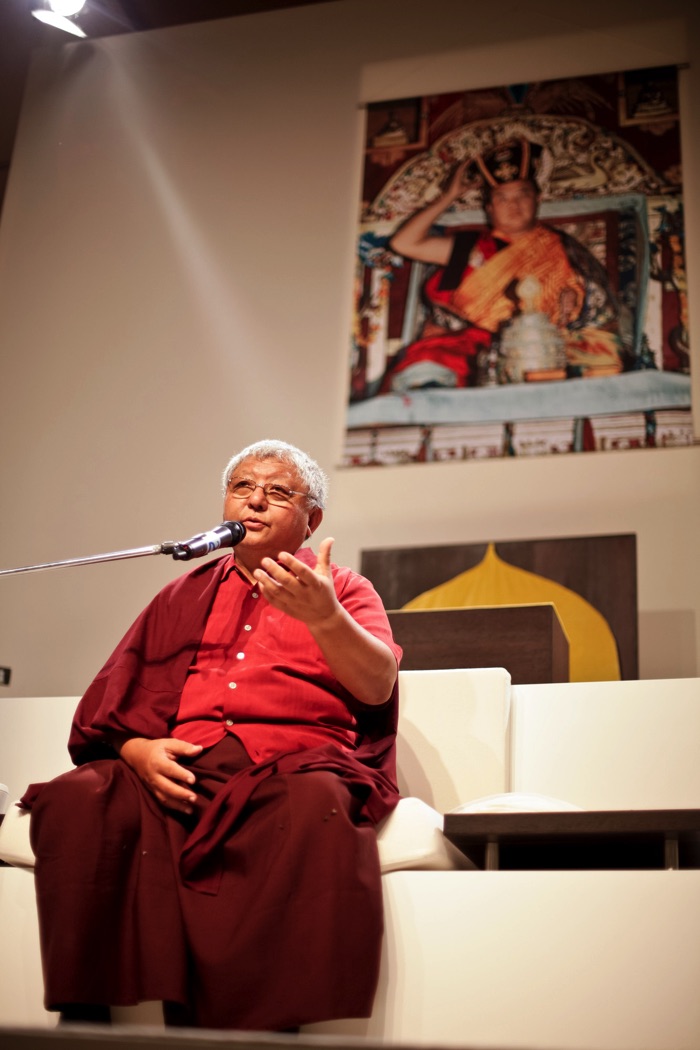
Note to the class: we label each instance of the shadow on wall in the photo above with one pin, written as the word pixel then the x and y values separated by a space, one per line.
pixel 667 644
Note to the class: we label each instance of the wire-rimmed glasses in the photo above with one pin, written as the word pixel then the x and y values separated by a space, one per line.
pixel 274 492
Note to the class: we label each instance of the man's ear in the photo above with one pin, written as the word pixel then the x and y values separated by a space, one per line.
pixel 315 519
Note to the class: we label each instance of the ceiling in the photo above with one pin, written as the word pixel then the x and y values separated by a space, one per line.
pixel 20 34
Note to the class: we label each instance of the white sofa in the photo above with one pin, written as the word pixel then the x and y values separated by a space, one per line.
pixel 602 960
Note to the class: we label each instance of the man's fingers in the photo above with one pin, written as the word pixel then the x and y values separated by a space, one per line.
pixel 181 800
pixel 174 771
pixel 170 766
pixel 278 572
pixel 323 563
pixel 170 793
pixel 156 763
pixel 182 747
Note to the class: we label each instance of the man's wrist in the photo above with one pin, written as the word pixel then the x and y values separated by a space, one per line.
pixel 122 744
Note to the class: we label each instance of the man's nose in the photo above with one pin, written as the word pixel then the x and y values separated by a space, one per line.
pixel 255 499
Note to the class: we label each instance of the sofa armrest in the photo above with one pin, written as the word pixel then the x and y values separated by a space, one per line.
pixel 15 848
pixel 411 839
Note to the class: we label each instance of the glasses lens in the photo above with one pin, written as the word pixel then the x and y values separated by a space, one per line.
pixel 278 493
pixel 241 489
pixel 273 493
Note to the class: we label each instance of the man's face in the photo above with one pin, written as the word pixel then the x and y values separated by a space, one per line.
pixel 513 208
pixel 271 526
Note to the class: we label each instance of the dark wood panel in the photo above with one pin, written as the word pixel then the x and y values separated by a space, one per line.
pixel 602 569
pixel 528 640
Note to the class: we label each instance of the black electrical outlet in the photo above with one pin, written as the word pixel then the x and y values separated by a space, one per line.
pixel 5 674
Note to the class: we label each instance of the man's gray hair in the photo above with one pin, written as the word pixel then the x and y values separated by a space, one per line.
pixel 308 469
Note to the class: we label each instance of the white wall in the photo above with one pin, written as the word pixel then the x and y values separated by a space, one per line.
pixel 176 256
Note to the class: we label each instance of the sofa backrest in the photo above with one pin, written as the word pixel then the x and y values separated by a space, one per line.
pixel 33 739
pixel 453 734
pixel 609 745
pixel 452 741
pixel 466 734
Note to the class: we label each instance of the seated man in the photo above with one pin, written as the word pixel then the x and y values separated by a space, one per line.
pixel 471 293
pixel 215 848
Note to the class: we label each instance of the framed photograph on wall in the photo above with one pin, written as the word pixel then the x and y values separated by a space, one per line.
pixel 520 282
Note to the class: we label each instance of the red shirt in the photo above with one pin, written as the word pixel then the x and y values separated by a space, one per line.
pixel 260 675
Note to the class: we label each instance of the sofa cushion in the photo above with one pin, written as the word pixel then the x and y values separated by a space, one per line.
pixel 515 802
pixel 410 838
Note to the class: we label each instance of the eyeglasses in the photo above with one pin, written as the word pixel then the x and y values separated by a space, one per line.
pixel 274 493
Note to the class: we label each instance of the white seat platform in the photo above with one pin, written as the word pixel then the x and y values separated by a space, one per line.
pixel 567 960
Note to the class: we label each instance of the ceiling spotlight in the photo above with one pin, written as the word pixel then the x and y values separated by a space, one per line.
pixel 59 22
pixel 59 14
pixel 67 8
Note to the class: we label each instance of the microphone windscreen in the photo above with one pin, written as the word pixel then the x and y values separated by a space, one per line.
pixel 237 530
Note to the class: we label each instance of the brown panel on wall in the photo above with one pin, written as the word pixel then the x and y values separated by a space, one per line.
pixel 528 640
pixel 602 569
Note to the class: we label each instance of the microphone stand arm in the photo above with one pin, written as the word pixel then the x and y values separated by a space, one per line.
pixel 169 547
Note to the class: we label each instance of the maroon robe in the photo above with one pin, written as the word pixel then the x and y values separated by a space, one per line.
pixel 263 911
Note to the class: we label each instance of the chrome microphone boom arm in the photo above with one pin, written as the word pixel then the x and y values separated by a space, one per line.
pixel 169 547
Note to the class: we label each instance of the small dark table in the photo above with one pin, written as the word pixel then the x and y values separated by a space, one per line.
pixel 589 839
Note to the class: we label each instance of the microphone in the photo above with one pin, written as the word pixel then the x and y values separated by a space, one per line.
pixel 228 534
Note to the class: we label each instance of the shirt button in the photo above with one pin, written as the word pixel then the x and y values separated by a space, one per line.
pixel 254 594
pixel 247 627
pixel 240 656
pixel 229 722
pixel 232 685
